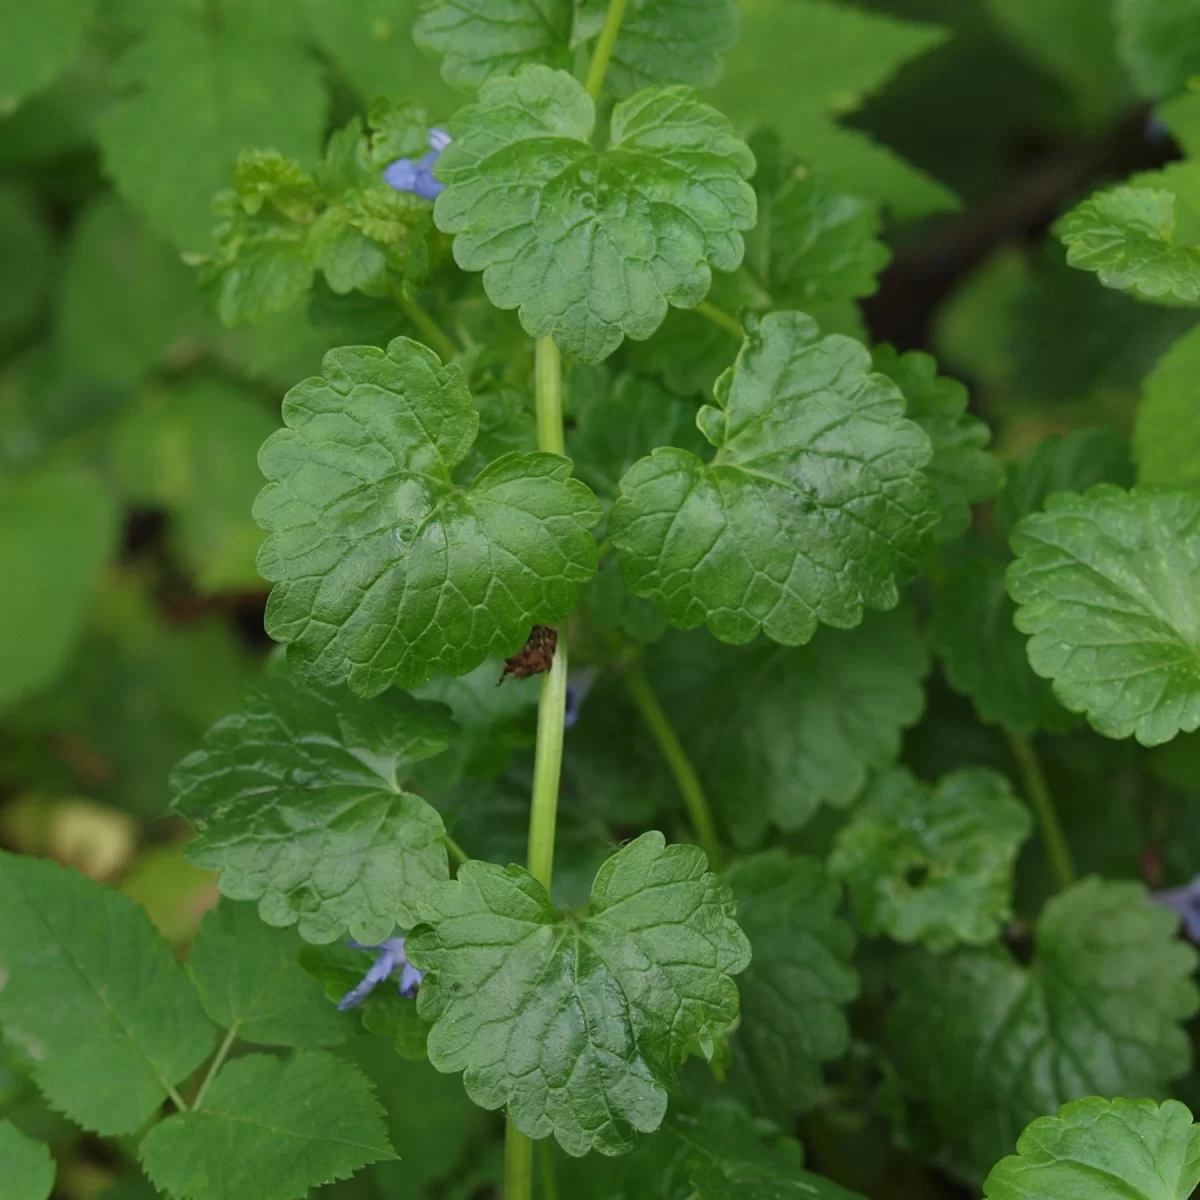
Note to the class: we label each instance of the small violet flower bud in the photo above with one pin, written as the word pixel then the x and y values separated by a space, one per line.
pixel 1186 902
pixel 390 958
pixel 579 683
pixel 417 177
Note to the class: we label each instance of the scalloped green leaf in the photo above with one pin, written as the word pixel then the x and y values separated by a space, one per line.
pixel 933 864
pixel 1128 237
pixel 269 1128
pixel 799 982
pixel 1103 1150
pixel 25 1165
pixel 962 470
pixel 576 1023
pixel 299 803
pixel 93 995
pixel 384 569
pixel 813 506
pixel 1105 583
pixel 1166 435
pixel 778 732
pixel 592 246
pixel 990 1044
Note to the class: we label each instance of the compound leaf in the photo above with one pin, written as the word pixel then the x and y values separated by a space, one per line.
pixel 269 1128
pixel 25 1165
pixel 209 81
pixel 799 981
pixel 933 865
pixel 298 802
pixel 91 991
pixel 1166 437
pixel 990 1045
pixel 386 571
pixel 1104 1150
pixel 962 470
pixel 576 1023
pixel 1104 583
pixel 251 983
pixel 1127 236
pixel 813 504
pixel 593 246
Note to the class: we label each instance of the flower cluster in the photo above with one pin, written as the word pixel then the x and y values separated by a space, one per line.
pixel 417 177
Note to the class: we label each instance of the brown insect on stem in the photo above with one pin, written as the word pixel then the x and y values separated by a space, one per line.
pixel 534 657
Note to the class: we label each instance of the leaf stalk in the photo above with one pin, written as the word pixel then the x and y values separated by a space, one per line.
pixel 1038 792
pixel 604 48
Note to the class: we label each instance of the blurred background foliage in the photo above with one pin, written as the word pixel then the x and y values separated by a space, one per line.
pixel 130 419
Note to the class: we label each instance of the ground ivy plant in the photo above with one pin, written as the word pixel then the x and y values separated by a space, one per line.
pixel 680 760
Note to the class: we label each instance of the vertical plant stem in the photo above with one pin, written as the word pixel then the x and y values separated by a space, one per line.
pixel 1038 791
pixel 676 757
pixel 546 1170
pixel 430 329
pixel 547 763
pixel 604 48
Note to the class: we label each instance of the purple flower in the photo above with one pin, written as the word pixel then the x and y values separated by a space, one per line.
pixel 390 957
pixel 1186 902
pixel 579 683
pixel 417 177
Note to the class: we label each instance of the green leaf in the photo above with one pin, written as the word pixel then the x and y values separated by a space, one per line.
pixel 1102 583
pixel 27 251
pixel 1166 437
pixel 811 507
pixel 971 631
pixel 799 981
pixel 25 1165
pixel 779 732
pixel 1104 1150
pixel 384 569
pixel 128 304
pixel 269 1128
pixel 250 982
pixel 299 803
pixel 1158 39
pixel 209 81
pixel 39 41
pixel 92 993
pixel 371 42
pixel 837 57
pixel 813 244
pixel 962 470
pixel 661 41
pixel 193 452
pixel 58 527
pixel 592 246
pixel 933 865
pixel 1070 463
pixel 482 38
pixel 991 1045
pixel 1128 237
pixel 575 1023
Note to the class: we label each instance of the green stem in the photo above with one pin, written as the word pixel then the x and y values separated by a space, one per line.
pixel 518 1164
pixel 547 761
pixel 215 1065
pixel 1038 792
pixel 546 1169
pixel 457 853
pixel 604 48
pixel 718 316
pixel 430 329
pixel 686 778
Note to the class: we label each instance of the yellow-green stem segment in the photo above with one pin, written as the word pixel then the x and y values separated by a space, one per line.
pixel 676 758
pixel 1038 792
pixel 604 48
